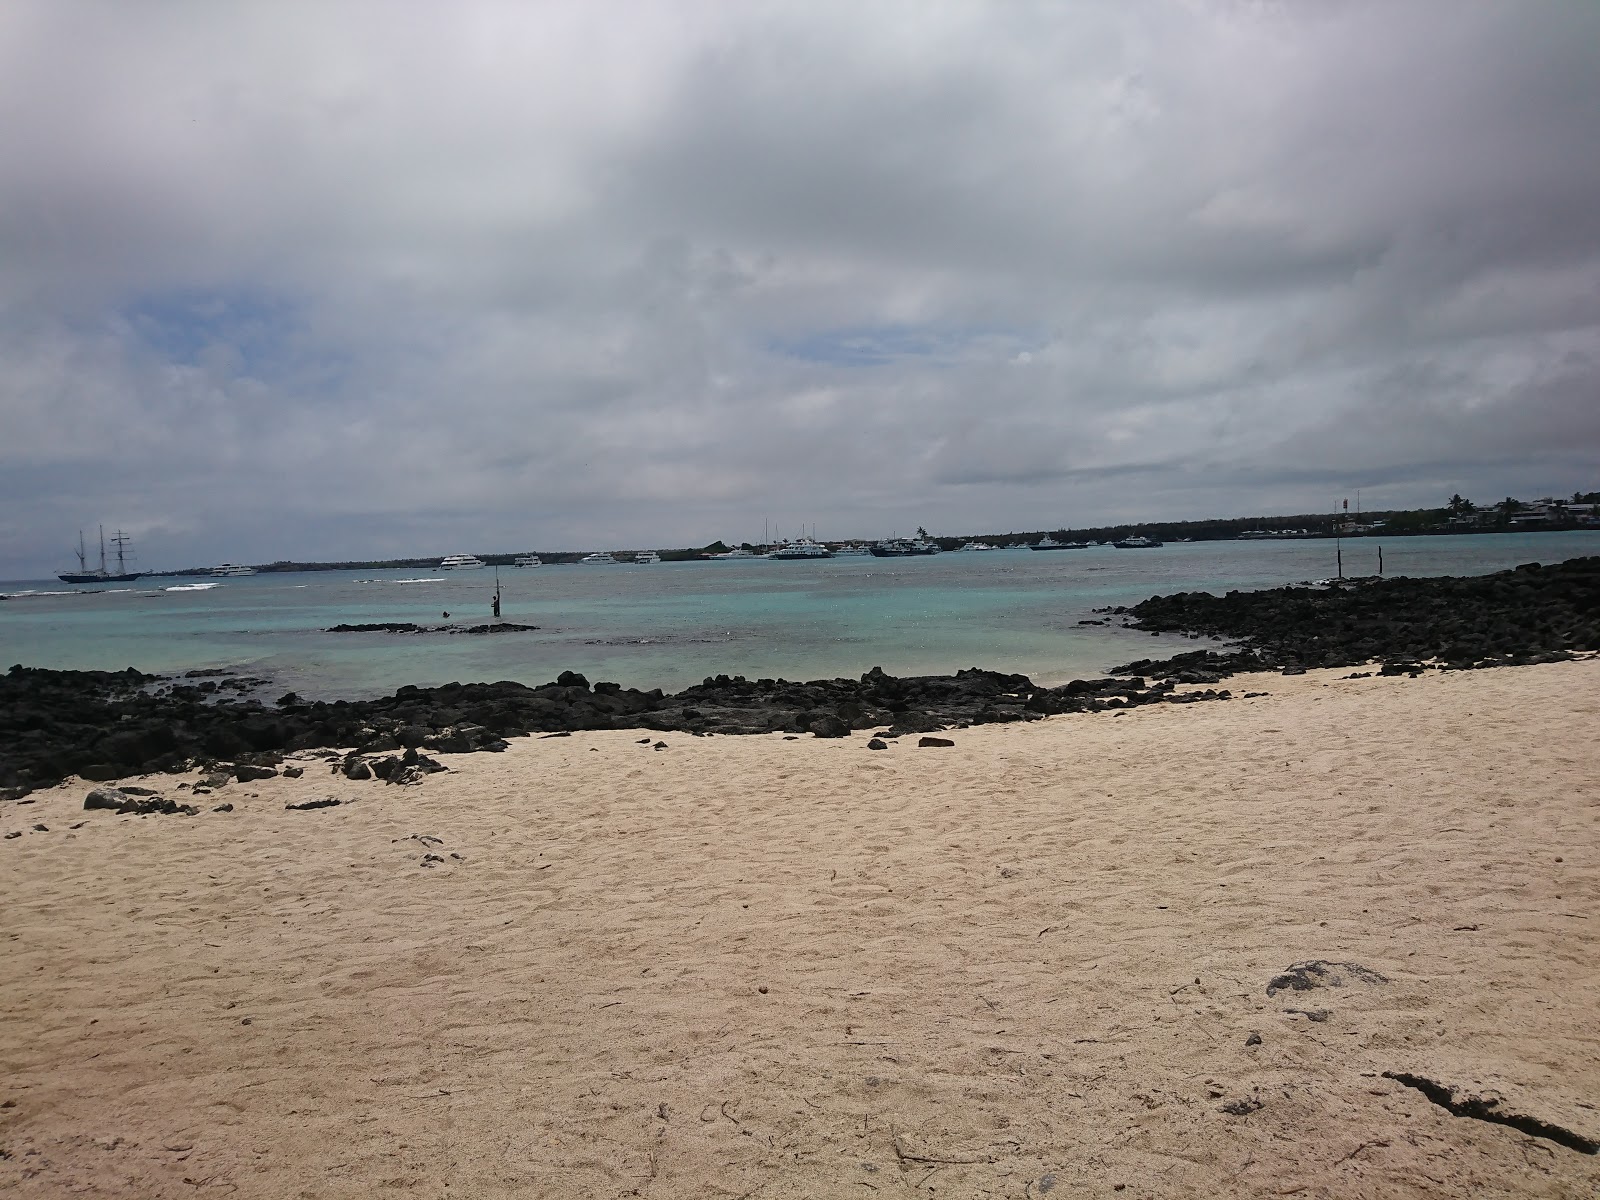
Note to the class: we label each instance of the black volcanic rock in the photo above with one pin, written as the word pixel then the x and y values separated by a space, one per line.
pixel 1529 614
pixel 103 725
pixel 829 726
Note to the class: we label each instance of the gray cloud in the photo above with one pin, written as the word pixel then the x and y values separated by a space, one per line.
pixel 363 279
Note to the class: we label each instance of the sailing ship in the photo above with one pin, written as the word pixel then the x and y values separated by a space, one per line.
pixel 101 574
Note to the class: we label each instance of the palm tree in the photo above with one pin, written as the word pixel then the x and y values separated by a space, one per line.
pixel 1460 506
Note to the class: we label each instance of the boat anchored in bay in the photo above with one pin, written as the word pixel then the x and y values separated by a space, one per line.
pixel 804 548
pixel 101 575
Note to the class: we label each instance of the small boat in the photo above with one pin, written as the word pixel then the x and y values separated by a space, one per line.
pixel 598 558
pixel 462 562
pixel 231 571
pixel 527 560
pixel 804 548
pixel 1137 542
pixel 647 556
pixel 979 546
pixel 101 575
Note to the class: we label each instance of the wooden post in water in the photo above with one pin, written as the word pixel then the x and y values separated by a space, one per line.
pixel 1338 538
pixel 1380 562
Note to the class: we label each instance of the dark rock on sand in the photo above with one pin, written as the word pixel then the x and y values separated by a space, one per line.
pixel 108 799
pixel 934 741
pixel 1318 973
pixel 1242 1107
pixel 829 726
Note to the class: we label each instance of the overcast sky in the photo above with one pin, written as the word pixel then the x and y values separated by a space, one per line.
pixel 340 279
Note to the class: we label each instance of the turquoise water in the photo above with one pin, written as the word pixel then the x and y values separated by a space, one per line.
pixel 672 624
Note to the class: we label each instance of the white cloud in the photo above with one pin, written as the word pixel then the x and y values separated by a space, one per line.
pixel 331 280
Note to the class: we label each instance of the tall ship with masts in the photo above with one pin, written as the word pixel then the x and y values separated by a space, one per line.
pixel 101 574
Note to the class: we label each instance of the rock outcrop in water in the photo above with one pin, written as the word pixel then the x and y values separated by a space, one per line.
pixel 1530 614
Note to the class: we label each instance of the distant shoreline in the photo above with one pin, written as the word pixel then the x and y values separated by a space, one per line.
pixel 1165 531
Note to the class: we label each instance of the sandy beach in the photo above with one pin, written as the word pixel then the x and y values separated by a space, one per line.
pixel 1033 963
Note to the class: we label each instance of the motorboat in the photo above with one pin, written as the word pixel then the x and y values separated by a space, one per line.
pixel 231 571
pixel 598 559
pixel 1049 543
pixel 1137 542
pixel 462 562
pixel 527 560
pixel 647 556
pixel 904 548
pixel 853 550
pixel 737 552
pixel 804 548
pixel 979 546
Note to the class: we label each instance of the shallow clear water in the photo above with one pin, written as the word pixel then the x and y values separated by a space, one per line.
pixel 672 624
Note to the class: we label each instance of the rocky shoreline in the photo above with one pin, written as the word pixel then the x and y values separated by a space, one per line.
pixel 1529 614
pixel 102 725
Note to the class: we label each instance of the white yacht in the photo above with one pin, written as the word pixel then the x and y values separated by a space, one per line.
pixel 852 550
pixel 598 558
pixel 1137 542
pixel 647 556
pixel 738 552
pixel 978 546
pixel 230 571
pixel 527 560
pixel 804 548
pixel 462 562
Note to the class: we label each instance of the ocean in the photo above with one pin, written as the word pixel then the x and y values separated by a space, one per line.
pixel 669 625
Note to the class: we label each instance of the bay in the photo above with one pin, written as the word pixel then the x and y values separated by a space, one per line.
pixel 669 625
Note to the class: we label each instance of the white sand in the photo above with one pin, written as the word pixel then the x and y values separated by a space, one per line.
pixel 980 963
